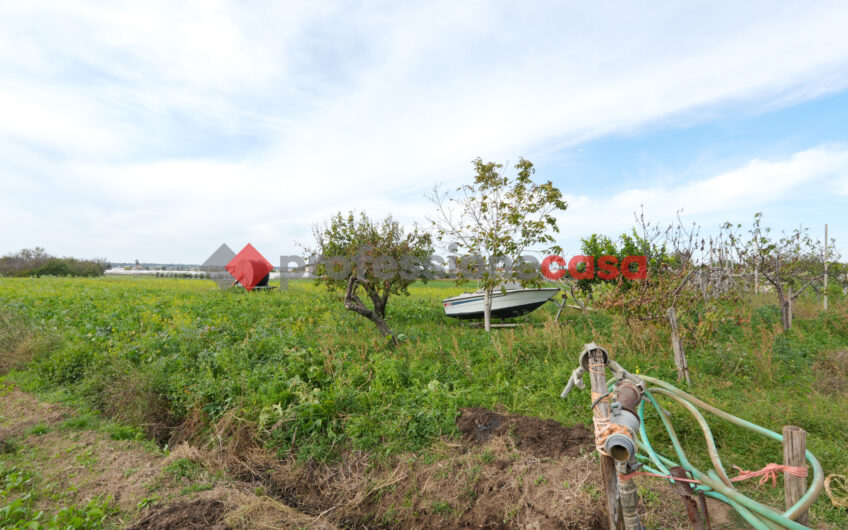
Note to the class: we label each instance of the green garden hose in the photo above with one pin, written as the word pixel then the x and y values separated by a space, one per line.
pixel 715 483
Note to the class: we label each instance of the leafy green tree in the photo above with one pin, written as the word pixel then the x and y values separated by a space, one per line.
pixel 378 258
pixel 494 220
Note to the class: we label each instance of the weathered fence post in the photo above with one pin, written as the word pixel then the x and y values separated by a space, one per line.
pixel 685 490
pixel 824 305
pixel 794 454
pixel 598 380
pixel 559 310
pixel 679 354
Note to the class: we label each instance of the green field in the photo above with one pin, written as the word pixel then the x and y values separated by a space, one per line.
pixel 316 380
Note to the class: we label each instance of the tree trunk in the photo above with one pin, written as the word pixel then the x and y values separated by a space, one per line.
pixel 784 300
pixel 786 310
pixel 487 310
pixel 353 303
pixel 382 326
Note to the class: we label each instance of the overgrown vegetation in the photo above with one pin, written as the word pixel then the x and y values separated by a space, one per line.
pixel 311 382
pixel 37 262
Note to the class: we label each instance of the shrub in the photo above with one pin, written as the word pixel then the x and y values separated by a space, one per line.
pixel 37 262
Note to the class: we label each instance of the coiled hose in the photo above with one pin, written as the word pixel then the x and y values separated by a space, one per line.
pixel 715 483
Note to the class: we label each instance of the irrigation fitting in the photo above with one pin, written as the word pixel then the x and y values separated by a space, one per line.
pixel 615 405
pixel 615 435
pixel 616 401
pixel 624 423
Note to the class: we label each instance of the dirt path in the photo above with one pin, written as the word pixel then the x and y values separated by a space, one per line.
pixel 508 471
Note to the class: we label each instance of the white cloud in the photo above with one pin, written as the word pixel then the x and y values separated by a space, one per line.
pixel 156 118
pixel 732 195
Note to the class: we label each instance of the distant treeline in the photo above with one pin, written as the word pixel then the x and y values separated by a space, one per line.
pixel 37 262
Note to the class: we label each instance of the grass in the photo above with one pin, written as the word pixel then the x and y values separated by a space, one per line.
pixel 184 468
pixel 312 379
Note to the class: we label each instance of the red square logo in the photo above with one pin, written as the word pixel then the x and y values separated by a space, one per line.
pixel 249 267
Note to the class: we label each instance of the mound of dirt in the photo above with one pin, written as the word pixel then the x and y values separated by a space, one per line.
pixel 199 513
pixel 542 438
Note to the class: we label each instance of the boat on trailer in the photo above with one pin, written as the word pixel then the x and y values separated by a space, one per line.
pixel 512 302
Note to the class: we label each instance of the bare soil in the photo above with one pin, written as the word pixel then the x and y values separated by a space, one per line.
pixel 199 513
pixel 533 435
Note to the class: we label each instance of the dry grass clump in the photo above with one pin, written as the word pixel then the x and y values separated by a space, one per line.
pixel 494 485
pixel 131 398
pixel 831 373
pixel 19 343
pixel 265 512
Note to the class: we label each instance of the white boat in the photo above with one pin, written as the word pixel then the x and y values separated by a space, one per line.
pixel 512 302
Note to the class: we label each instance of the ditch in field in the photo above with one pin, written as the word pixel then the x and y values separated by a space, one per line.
pixel 507 471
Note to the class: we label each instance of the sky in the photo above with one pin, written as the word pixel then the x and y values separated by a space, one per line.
pixel 159 130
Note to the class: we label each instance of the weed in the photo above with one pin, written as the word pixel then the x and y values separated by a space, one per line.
pixel 195 488
pixel 9 447
pixel 91 515
pixel 487 457
pixel 441 507
pixel 38 430
pixel 86 458
pixel 82 422
pixel 123 432
pixel 592 490
pixel 183 468
pixel 148 501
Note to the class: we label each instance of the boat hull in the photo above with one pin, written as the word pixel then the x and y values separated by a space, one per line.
pixel 511 304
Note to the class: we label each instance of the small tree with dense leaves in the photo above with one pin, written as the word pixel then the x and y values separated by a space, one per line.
pixel 379 258
pixel 493 221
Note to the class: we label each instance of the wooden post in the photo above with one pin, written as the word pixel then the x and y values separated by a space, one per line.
pixel 824 304
pixel 559 311
pixel 679 354
pixel 794 449
pixel 487 311
pixel 598 380
pixel 685 490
